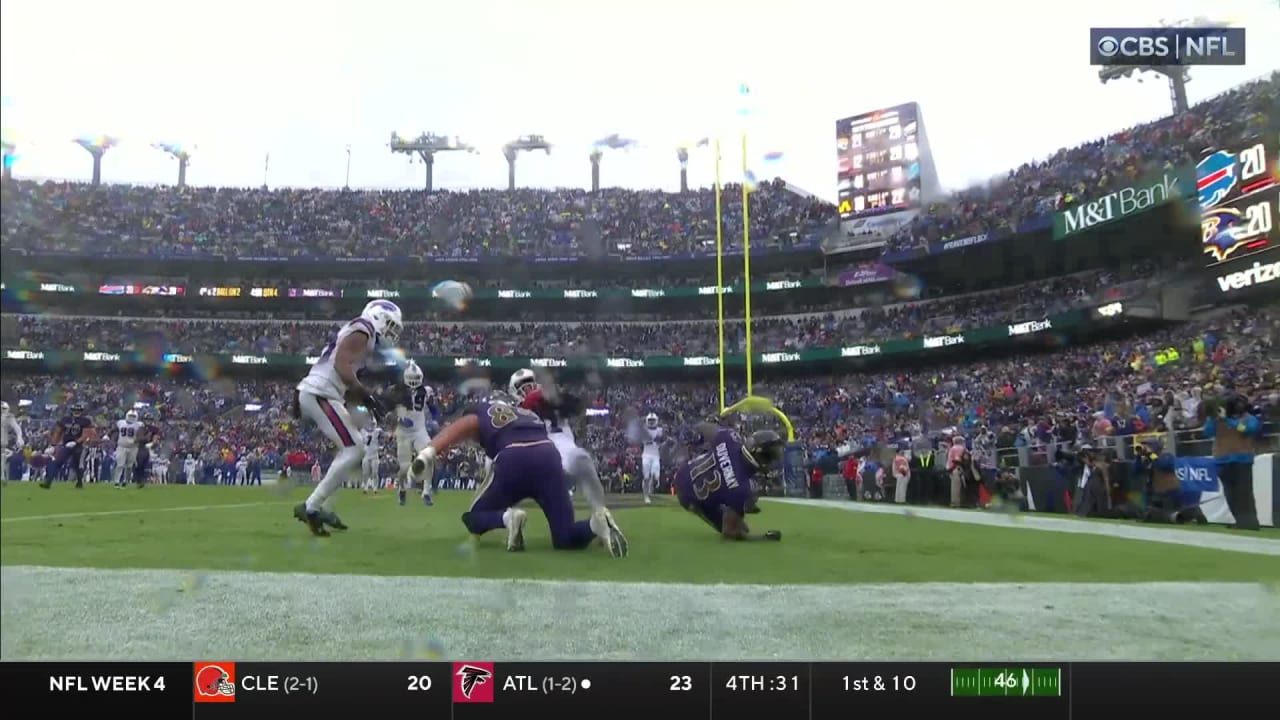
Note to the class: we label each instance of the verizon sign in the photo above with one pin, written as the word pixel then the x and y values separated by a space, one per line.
pixel 1260 274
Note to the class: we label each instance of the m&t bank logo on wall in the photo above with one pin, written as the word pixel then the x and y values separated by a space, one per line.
pixel 1152 192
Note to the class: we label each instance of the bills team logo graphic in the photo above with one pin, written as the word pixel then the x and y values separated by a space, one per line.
pixel 1216 177
pixel 215 682
pixel 473 682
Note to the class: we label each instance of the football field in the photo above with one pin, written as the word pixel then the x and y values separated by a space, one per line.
pixel 185 573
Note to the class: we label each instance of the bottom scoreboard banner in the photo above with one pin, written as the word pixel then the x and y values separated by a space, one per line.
pixel 671 691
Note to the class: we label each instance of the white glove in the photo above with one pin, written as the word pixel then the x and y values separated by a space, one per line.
pixel 150 445
pixel 70 444
pixel 427 458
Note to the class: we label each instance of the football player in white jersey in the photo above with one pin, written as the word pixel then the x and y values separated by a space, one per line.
pixel 322 398
pixel 556 410
pixel 650 456
pixel 9 427
pixel 372 439
pixel 160 466
pixel 189 469
pixel 412 401
pixel 127 431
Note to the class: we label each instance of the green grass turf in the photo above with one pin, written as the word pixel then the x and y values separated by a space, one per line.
pixel 667 544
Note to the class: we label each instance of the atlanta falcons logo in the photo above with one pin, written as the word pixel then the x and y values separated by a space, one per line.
pixel 471 677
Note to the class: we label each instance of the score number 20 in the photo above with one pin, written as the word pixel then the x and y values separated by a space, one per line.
pixel 1258 219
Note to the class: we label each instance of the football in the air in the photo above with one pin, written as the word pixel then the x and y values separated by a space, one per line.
pixel 456 295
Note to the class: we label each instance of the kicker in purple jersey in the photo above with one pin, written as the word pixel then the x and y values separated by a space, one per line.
pixel 718 477
pixel 502 424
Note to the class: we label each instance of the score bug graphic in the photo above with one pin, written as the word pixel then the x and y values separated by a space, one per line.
pixel 1238 198
pixel 215 682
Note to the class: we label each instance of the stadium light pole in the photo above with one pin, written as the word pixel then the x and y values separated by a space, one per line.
pixel 613 141
pixel 682 154
pixel 596 154
pixel 10 152
pixel 524 143
pixel 97 147
pixel 1176 75
pixel 425 147
pixel 346 183
pixel 182 155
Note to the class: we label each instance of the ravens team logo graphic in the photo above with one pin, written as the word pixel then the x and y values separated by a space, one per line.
pixel 469 676
pixel 1221 233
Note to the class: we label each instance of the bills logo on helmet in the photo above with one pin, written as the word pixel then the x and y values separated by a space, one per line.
pixel 1222 233
pixel 473 682
pixel 1216 177
pixel 215 682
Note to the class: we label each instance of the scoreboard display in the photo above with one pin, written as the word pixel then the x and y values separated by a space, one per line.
pixel 1238 189
pixel 878 162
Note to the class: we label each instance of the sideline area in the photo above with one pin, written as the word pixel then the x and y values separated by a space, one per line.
pixel 1250 543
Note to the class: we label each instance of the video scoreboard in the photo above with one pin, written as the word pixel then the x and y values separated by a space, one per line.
pixel 1238 189
pixel 878 156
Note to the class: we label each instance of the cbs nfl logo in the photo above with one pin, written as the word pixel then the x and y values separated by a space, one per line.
pixel 1166 46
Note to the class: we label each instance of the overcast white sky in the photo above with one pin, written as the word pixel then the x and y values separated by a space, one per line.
pixel 999 82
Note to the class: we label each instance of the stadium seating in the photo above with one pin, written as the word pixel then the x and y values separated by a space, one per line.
pixel 1094 391
pixel 463 339
pixel 1023 400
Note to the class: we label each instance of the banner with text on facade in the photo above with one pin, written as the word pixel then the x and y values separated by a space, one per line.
pixel 867 350
pixel 227 292
pixel 1154 190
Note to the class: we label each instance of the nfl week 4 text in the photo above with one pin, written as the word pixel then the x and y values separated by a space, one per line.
pixel 107 683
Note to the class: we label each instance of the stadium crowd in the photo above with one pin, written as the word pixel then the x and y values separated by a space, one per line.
pixel 1099 392
pixel 1079 174
pixel 236 222
pixel 470 339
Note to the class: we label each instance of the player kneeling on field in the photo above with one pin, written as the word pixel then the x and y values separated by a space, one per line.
pixel 526 465
pixel 715 484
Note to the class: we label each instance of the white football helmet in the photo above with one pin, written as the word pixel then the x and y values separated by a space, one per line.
pixel 521 380
pixel 4 408
pixel 131 416
pixel 386 319
pixel 651 421
pixel 413 375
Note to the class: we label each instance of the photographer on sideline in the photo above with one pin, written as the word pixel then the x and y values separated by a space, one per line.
pixel 1234 431
pixel 1164 490
pixel 1093 489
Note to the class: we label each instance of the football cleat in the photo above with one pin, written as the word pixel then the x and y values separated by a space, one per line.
pixel 605 528
pixel 515 519
pixel 311 519
pixel 331 519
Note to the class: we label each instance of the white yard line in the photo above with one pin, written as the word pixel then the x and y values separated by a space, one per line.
pixel 137 511
pixel 1242 542
pixel 70 613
